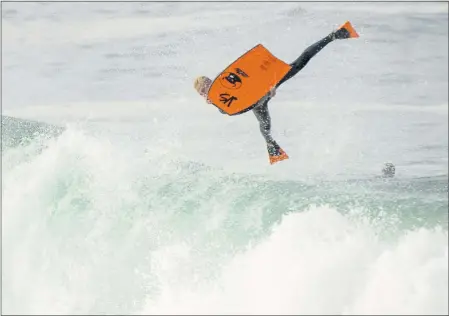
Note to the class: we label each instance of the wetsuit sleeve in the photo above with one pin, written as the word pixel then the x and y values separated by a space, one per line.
pixel 221 111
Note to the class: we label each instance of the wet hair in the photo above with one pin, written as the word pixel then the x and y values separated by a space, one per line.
pixel 199 82
pixel 388 170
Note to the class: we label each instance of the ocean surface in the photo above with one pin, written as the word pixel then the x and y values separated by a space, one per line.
pixel 123 192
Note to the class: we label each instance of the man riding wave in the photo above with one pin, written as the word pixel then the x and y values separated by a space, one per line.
pixel 202 85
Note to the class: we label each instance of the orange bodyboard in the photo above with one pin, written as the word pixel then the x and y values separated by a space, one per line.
pixel 247 80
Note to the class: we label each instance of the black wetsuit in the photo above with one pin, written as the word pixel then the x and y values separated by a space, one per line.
pixel 261 109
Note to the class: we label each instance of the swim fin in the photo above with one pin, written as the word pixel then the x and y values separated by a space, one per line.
pixel 346 30
pixel 275 152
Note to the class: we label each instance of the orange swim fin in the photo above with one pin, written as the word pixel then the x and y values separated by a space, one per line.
pixel 348 27
pixel 275 152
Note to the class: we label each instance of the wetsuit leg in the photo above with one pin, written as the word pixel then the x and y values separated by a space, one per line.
pixel 302 60
pixel 261 111
pixel 263 116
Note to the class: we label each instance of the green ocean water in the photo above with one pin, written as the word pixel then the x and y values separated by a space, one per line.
pixel 102 235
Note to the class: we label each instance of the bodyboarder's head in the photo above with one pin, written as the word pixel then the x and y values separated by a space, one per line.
pixel 388 170
pixel 202 85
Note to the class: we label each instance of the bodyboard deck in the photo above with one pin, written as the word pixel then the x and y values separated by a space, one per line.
pixel 237 88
